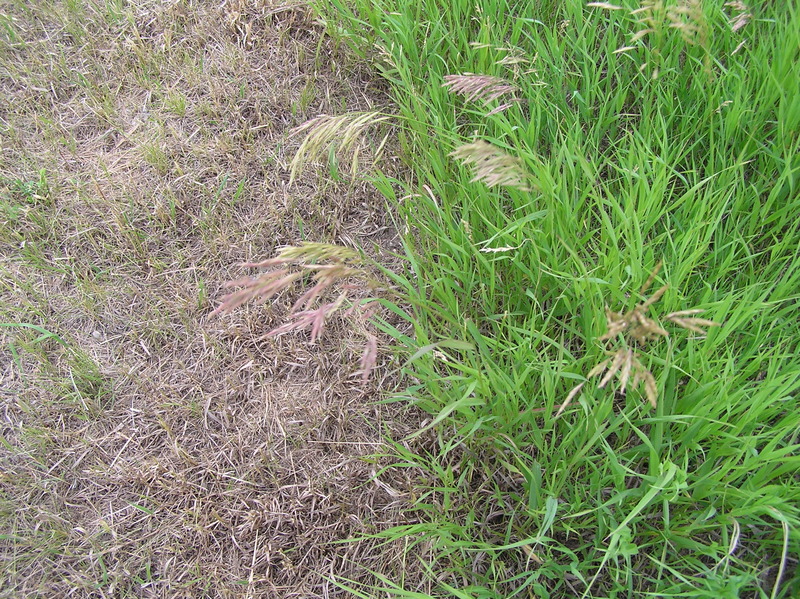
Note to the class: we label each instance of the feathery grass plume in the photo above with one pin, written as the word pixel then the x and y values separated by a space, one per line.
pixel 368 359
pixel 481 87
pixel 493 166
pixel 622 363
pixel 514 58
pixel 262 288
pixel 344 263
pixel 741 17
pixel 691 324
pixel 655 16
pixel 652 15
pixel 310 252
pixel 309 319
pixel 344 131
pixel 688 18
pixel 637 329
pixel 327 267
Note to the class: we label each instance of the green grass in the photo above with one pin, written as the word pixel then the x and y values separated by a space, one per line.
pixel 683 149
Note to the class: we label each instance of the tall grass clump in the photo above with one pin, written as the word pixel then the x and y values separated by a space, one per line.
pixel 558 152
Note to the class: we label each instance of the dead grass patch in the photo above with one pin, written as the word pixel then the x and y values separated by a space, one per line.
pixel 165 453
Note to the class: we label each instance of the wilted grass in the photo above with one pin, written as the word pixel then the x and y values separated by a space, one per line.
pixel 661 130
pixel 146 449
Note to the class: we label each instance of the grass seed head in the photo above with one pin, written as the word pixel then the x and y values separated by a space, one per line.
pixel 568 400
pixel 651 14
pixel 637 329
pixel 261 288
pixel 688 18
pixel 344 132
pixel 622 364
pixel 605 5
pixel 309 319
pixel 327 267
pixel 369 358
pixel 685 16
pixel 741 16
pixel 692 324
pixel 493 166
pixel 478 87
pixel 616 364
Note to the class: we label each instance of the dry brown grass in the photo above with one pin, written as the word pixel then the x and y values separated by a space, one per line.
pixel 164 453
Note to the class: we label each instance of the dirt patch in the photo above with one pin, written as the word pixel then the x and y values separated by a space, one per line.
pixel 147 449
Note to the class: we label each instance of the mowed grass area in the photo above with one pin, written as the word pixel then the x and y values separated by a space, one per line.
pixel 147 449
pixel 601 141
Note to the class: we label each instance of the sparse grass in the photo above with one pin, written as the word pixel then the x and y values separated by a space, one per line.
pixel 647 132
pixel 147 449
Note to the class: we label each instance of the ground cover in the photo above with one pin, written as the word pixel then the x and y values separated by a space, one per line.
pixel 148 448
